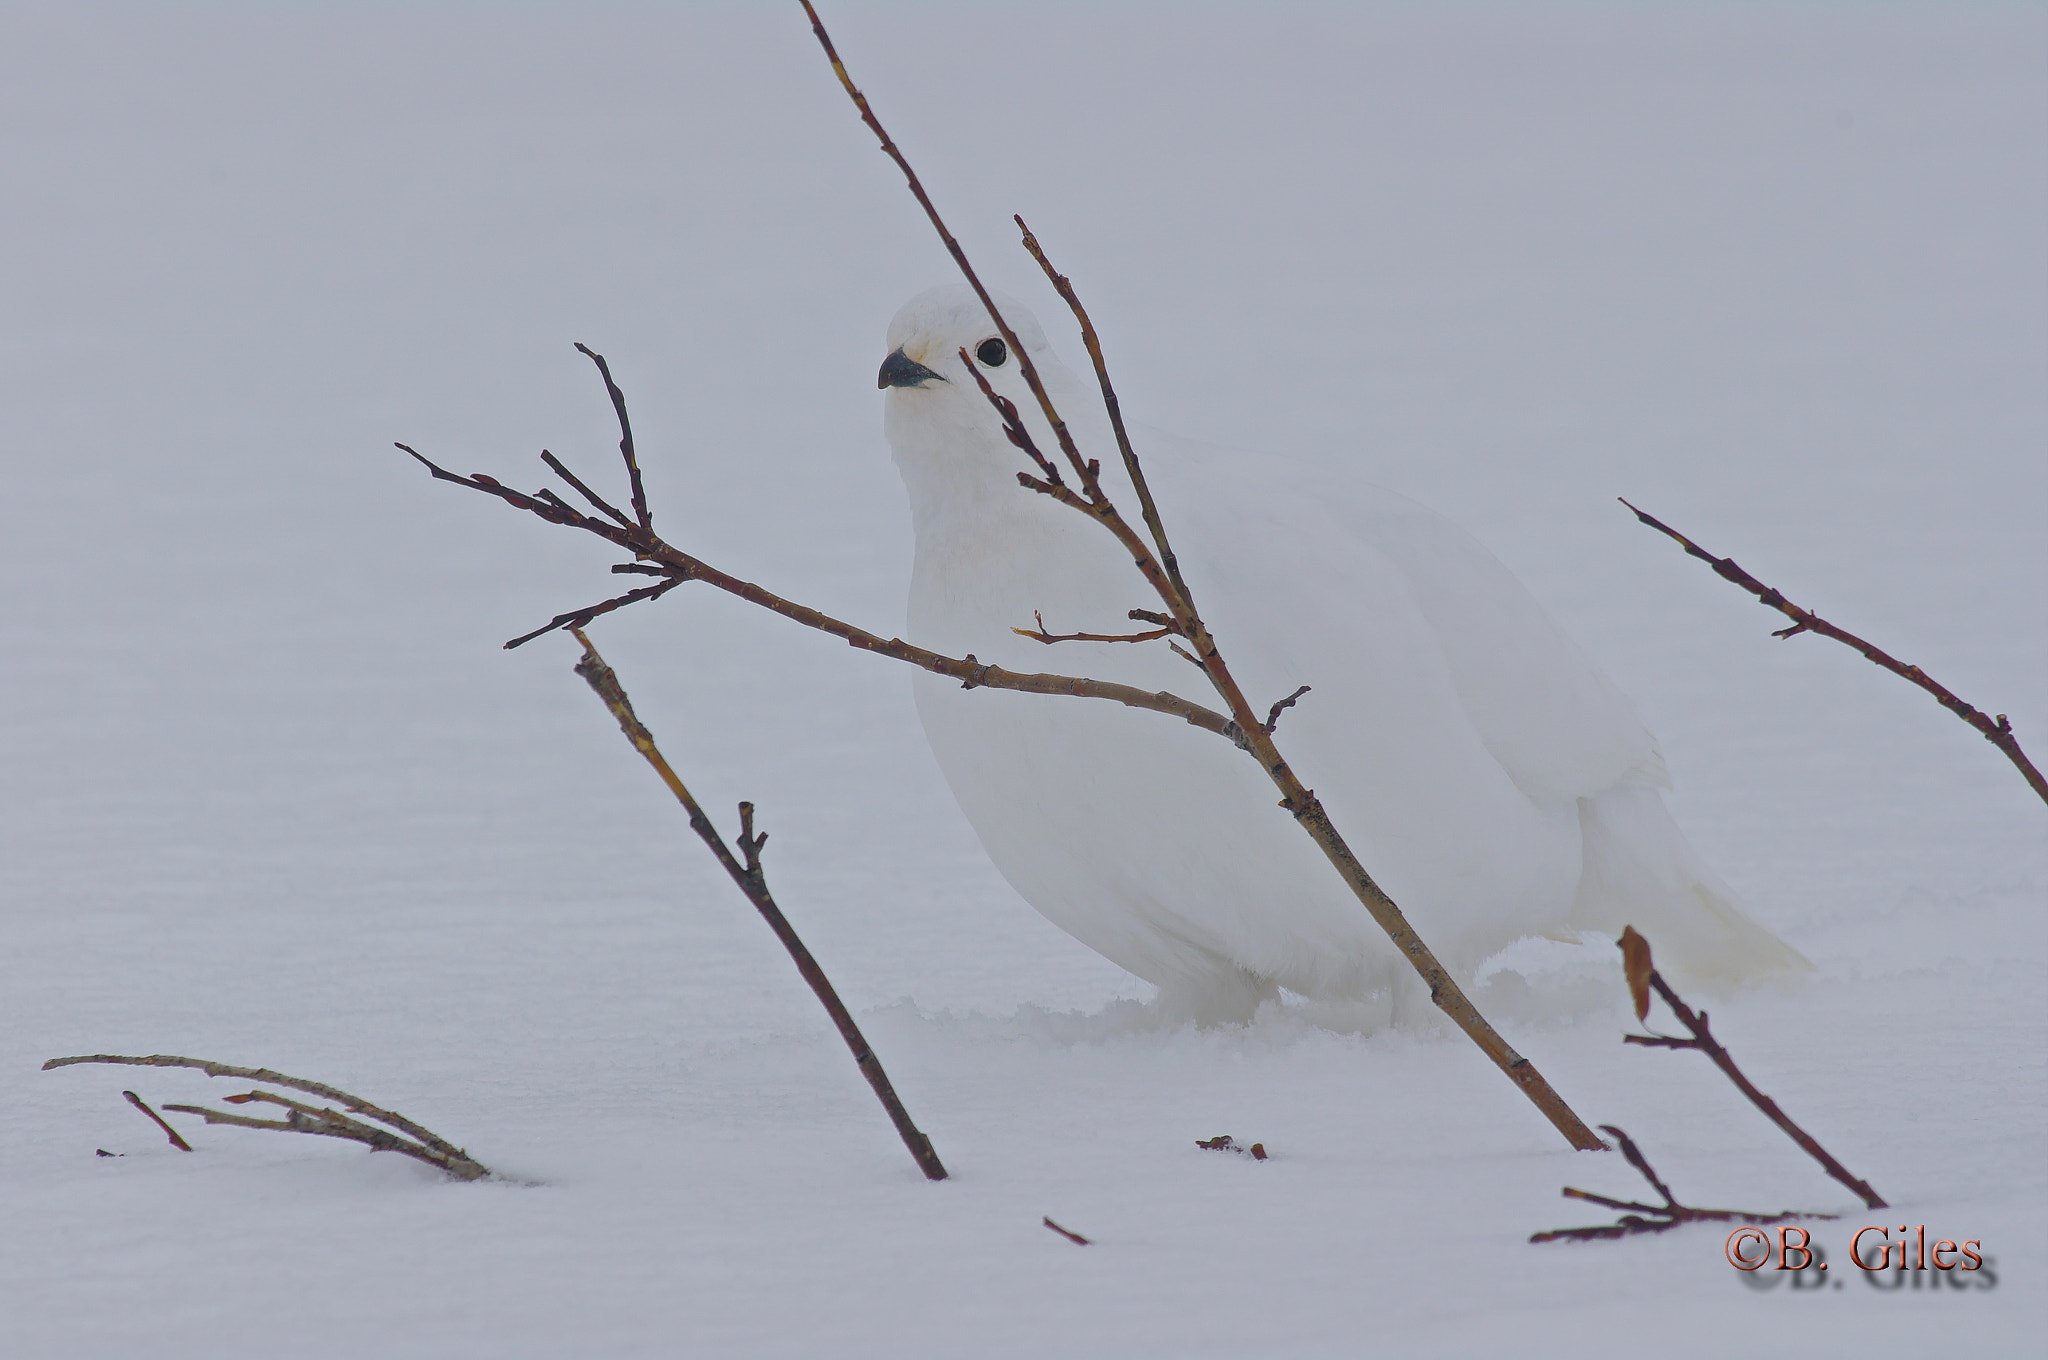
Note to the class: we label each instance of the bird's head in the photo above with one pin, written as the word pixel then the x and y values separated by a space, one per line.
pixel 930 331
pixel 938 421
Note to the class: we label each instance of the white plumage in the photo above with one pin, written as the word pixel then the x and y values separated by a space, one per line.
pixel 1491 779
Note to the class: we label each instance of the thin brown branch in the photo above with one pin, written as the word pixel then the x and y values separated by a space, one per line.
pixel 552 499
pixel 1014 428
pixel 1629 1226
pixel 1651 1218
pixel 584 491
pixel 309 1119
pixel 554 514
pixel 425 1144
pixel 890 149
pixel 1629 1205
pixel 213 1116
pixel 304 1118
pixel 1244 725
pixel 1073 1237
pixel 1093 343
pixel 580 617
pixel 1273 714
pixel 1659 1041
pixel 1641 1164
pixel 1223 1142
pixel 354 1104
pixel 1039 634
pixel 750 844
pixel 177 1139
pixel 1995 729
pixel 971 673
pixel 1703 1039
pixel 753 882
pixel 640 512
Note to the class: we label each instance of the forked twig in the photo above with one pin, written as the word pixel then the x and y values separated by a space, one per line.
pixel 1651 1218
pixel 1156 562
pixel 579 618
pixel 1995 729
pixel 1093 343
pixel 748 874
pixel 422 1144
pixel 1643 979
pixel 660 558
pixel 573 480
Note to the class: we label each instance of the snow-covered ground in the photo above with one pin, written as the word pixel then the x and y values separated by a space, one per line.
pixel 274 796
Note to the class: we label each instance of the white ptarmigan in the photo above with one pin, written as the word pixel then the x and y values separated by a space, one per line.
pixel 1490 778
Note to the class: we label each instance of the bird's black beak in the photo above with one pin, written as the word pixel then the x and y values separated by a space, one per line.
pixel 900 370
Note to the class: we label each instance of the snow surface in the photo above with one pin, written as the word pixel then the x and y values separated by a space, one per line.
pixel 275 797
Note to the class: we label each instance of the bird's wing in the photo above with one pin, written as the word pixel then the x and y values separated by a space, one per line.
pixel 1299 537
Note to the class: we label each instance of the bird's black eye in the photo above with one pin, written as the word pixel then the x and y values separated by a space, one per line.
pixel 992 352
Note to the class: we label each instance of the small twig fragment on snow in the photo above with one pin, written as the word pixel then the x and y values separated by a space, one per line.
pixel 1643 979
pixel 177 1139
pixel 1994 729
pixel 1222 1142
pixel 1073 1237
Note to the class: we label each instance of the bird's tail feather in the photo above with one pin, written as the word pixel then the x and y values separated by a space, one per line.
pixel 1640 871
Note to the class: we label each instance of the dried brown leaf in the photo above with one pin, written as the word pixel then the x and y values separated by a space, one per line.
pixel 1635 961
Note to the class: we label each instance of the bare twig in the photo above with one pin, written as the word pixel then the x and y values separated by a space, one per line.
pixel 578 618
pixel 1273 714
pixel 303 1118
pixel 1073 1237
pixel 626 451
pixel 1223 1142
pixel 177 1139
pixel 1039 634
pixel 423 1143
pixel 1244 727
pixel 748 874
pixel 1636 957
pixel 1146 508
pixel 573 480
pixel 890 149
pixel 1651 1218
pixel 670 561
pixel 1995 729
pixel 327 1124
